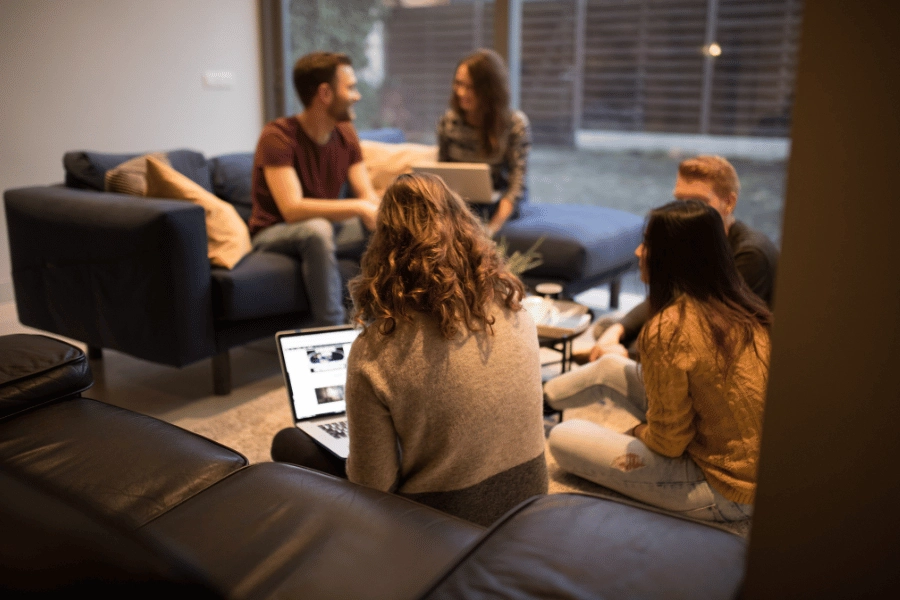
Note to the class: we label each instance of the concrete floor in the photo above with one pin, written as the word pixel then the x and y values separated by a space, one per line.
pixel 638 181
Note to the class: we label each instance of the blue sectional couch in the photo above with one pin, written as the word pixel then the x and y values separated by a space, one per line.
pixel 131 273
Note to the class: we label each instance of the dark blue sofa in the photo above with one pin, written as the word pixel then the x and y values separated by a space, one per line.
pixel 131 273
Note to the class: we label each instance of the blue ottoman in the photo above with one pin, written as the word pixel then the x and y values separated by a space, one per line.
pixel 584 246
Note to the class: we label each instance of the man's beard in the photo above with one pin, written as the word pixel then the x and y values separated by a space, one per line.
pixel 341 113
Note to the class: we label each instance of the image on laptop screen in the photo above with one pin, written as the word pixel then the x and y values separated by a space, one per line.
pixel 315 369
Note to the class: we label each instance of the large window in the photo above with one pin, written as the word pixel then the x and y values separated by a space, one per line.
pixel 617 91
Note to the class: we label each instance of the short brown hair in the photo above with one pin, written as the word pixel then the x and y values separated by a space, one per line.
pixel 314 69
pixel 714 170
pixel 429 254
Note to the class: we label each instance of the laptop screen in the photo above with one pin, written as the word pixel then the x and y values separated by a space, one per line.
pixel 314 363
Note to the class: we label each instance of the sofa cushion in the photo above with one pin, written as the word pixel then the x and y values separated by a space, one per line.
pixel 388 135
pixel 580 546
pixel 263 284
pixel 36 368
pixel 127 466
pixel 131 176
pixel 385 161
pixel 228 239
pixel 580 242
pixel 298 533
pixel 87 170
pixel 232 176
pixel 53 546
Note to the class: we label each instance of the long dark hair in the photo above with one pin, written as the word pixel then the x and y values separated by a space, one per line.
pixel 491 86
pixel 429 254
pixel 687 253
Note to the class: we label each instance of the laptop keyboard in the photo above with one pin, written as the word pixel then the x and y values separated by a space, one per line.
pixel 336 430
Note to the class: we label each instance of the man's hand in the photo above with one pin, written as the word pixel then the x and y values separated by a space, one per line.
pixel 368 212
pixel 610 342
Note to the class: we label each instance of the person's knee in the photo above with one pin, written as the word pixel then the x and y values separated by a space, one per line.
pixel 609 367
pixel 293 446
pixel 320 236
pixel 289 446
pixel 566 437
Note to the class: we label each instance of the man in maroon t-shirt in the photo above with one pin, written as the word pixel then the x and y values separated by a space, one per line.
pixel 299 169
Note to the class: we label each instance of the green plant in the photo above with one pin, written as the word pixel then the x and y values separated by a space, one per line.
pixel 338 27
pixel 519 262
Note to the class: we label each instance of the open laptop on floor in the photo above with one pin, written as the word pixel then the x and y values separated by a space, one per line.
pixel 314 364
pixel 472 181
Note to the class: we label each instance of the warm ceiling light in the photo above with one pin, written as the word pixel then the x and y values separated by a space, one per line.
pixel 713 50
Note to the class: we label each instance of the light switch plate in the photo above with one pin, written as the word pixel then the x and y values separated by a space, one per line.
pixel 218 80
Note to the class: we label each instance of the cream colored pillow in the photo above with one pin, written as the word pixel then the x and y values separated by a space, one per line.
pixel 131 176
pixel 385 161
pixel 228 239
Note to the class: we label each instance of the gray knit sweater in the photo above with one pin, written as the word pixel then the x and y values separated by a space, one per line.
pixel 455 424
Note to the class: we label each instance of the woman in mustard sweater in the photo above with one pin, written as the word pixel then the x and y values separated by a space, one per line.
pixel 699 389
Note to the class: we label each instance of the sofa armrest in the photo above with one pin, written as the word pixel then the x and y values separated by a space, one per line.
pixel 35 369
pixel 113 271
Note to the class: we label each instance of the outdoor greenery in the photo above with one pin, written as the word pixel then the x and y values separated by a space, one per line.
pixel 338 27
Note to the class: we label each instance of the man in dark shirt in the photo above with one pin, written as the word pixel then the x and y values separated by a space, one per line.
pixel 301 164
pixel 713 180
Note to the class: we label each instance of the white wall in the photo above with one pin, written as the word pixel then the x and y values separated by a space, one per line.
pixel 121 76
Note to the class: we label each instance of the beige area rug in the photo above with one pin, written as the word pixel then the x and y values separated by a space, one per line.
pixel 250 426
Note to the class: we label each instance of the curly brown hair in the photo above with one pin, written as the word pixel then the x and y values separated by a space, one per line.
pixel 431 255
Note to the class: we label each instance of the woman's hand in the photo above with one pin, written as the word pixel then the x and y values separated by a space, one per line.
pixel 504 209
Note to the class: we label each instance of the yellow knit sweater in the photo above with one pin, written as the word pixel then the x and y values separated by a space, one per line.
pixel 694 407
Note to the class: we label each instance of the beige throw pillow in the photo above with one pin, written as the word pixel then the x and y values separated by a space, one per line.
pixel 228 239
pixel 131 176
pixel 384 161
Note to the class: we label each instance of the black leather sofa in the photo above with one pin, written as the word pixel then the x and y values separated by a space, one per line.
pixel 106 501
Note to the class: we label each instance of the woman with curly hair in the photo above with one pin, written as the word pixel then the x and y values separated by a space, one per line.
pixel 480 126
pixel 699 389
pixel 443 393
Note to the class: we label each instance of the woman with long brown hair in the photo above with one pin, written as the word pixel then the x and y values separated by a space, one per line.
pixel 700 387
pixel 479 126
pixel 443 392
